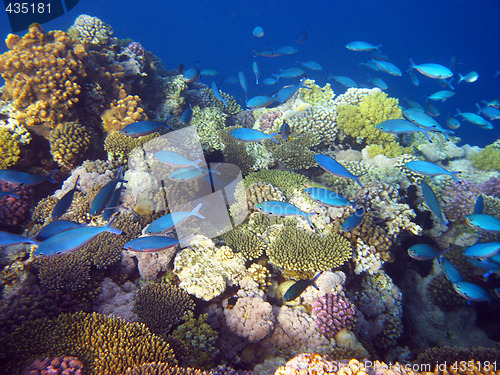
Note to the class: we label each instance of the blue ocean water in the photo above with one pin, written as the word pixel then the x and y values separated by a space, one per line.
pixel 218 34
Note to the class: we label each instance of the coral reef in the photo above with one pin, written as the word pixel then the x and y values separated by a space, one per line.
pixel 14 211
pixel 91 30
pixel 288 182
pixel 294 249
pixel 359 121
pixel 161 306
pixel 245 242
pixel 68 143
pixel 459 199
pixel 488 159
pixel 105 345
pixel 123 111
pixel 333 313
pixel 58 366
pixel 205 270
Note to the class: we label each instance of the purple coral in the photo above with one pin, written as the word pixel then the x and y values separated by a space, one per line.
pixel 266 121
pixel 13 211
pixel 492 187
pixel 55 366
pixel 137 48
pixel 333 313
pixel 460 199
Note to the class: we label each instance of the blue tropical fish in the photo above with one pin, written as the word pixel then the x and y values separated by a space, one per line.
pixel 388 67
pixel 278 208
pixel 56 227
pixel 344 81
pixel 287 50
pixel 7 239
pixel 469 77
pixel 113 203
pixel 479 205
pixel 175 159
pixel 287 92
pixel 151 244
pixel 482 250
pixel 432 202
pixel 187 115
pixel 65 202
pixel 218 95
pixel 432 70
pixel 441 96
pixel 297 288
pixel 169 221
pixel 483 222
pixel 359 46
pixel 334 167
pixel 312 65
pixel 252 135
pixel 328 197
pixel 23 178
pixel 260 101
pixel 429 169
pixel 356 218
pixel 73 239
pixel 190 173
pixel 104 195
pixel 192 74
pixel 243 82
pixel 491 112
pixel 475 119
pixel 285 130
pixel 11 192
pixel 141 128
pixel 422 251
pixel 450 270
pixel 400 126
pixel 471 291
pixel 293 72
pixel 256 71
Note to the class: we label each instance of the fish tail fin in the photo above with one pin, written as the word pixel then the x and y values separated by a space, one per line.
pixel 196 210
pixel 111 229
pixel 313 281
pixel 380 45
pixel 186 241
pixel 214 169
pixel 412 64
pixel 307 216
pixel 50 177
pixel 271 137
pixel 454 175
pixel 460 78
pixel 425 132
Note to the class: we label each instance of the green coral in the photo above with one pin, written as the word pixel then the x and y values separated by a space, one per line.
pixel 288 182
pixel 208 121
pixel 200 340
pixel 118 145
pixel 161 306
pixel 9 149
pixel 235 152
pixel 488 159
pixel 240 239
pixel 315 94
pixel 295 153
pixel 296 250
pixel 68 143
pixel 106 345
pixel 390 149
pixel 360 121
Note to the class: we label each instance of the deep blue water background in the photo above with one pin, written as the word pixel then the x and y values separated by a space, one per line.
pixel 218 34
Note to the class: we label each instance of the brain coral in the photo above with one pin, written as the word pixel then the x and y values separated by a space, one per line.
pixel 43 73
pixel 296 250
pixel 91 30
pixel 359 121
pixel 161 306
pixel 106 345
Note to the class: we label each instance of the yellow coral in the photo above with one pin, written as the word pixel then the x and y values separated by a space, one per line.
pixel 123 111
pixel 315 94
pixel 360 121
pixel 9 149
pixel 391 149
pixel 42 72
pixel 68 143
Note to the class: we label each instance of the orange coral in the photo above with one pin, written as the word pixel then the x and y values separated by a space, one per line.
pixel 122 112
pixel 43 74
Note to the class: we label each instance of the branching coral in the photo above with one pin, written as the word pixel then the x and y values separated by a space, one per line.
pixel 43 74
pixel 123 111
pixel 161 306
pixel 105 345
pixel 245 242
pixel 68 143
pixel 314 94
pixel 359 121
pixel 295 153
pixel 287 182
pixel 319 120
pixel 333 312
pixel 294 249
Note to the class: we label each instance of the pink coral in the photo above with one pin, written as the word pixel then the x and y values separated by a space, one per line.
pixel 55 366
pixel 267 119
pixel 251 318
pixel 492 187
pixel 333 313
pixel 137 48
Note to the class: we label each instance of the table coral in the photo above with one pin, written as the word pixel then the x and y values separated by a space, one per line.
pixel 105 345
pixel 202 271
pixel 68 143
pixel 43 74
pixel 161 306
pixel 294 249
pixel 333 312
